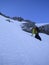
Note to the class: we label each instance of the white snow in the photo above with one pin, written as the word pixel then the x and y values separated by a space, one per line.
pixel 20 48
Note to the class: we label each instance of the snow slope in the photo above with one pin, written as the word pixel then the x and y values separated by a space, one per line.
pixel 20 48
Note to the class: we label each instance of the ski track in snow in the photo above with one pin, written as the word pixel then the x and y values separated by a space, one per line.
pixel 20 48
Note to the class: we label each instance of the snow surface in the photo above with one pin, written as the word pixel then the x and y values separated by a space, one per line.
pixel 20 48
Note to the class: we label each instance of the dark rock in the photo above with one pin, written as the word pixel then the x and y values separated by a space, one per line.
pixel 4 15
pixel 18 18
pixel 44 29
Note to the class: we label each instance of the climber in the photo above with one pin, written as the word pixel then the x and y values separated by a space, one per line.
pixel 35 31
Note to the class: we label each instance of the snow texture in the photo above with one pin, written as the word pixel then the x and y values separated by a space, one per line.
pixel 18 47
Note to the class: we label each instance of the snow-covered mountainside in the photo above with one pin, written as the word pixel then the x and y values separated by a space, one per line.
pixel 18 47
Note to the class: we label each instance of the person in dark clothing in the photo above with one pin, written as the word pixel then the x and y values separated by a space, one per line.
pixel 36 32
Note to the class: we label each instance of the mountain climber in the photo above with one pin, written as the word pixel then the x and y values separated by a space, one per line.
pixel 35 31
